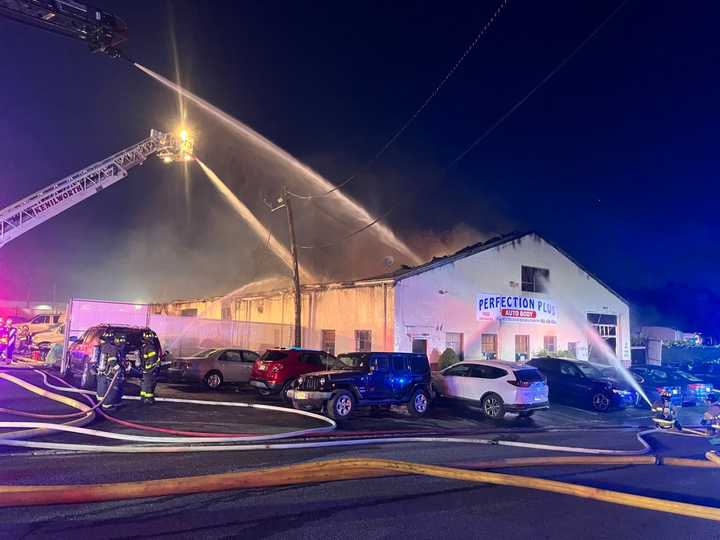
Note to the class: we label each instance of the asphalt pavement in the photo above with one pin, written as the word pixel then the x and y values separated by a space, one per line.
pixel 379 508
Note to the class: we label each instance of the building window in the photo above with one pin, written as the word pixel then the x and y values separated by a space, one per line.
pixel 550 344
pixel 419 346
pixel 572 349
pixel 363 340
pixel 534 279
pixel 328 341
pixel 189 312
pixel 226 314
pixel 489 346
pixel 522 347
pixel 606 326
pixel 454 341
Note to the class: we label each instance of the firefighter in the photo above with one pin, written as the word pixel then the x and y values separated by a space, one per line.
pixel 111 366
pixel 664 412
pixel 150 364
pixel 711 418
pixel 11 333
pixel 3 341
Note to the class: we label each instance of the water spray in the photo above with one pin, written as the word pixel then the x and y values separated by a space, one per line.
pixel 595 340
pixel 348 205
pixel 262 232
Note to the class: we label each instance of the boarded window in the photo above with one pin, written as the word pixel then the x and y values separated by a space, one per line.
pixel 225 314
pixel 363 340
pixel 534 279
pixel 328 341
pixel 550 344
pixel 522 347
pixel 489 346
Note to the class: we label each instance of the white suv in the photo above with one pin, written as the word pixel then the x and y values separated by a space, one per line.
pixel 498 387
pixel 43 322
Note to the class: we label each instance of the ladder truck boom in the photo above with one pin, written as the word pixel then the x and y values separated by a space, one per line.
pixel 100 30
pixel 59 196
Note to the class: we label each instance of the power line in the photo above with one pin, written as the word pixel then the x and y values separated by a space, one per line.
pixel 419 111
pixel 537 87
pixel 488 131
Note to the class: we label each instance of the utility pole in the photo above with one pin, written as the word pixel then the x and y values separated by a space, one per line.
pixel 284 202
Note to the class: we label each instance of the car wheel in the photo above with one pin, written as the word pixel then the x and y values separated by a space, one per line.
pixel 600 402
pixel 87 378
pixel 285 389
pixel 341 406
pixel 493 406
pixel 419 403
pixel 213 380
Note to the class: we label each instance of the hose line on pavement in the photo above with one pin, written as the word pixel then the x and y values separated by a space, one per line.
pixel 193 444
pixel 336 470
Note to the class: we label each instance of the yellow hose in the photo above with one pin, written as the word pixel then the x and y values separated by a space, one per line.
pixel 345 469
pixel 713 456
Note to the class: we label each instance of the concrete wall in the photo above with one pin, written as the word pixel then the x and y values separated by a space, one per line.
pixel 343 309
pixel 443 300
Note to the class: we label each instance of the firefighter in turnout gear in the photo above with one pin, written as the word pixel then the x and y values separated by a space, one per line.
pixel 3 342
pixel 150 364
pixel 664 417
pixel 11 333
pixel 111 366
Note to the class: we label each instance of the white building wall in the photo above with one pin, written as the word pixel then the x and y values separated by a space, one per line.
pixel 443 300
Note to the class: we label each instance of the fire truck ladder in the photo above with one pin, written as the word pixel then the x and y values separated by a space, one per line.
pixel 50 201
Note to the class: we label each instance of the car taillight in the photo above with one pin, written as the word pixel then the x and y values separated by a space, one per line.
pixel 521 384
pixel 696 386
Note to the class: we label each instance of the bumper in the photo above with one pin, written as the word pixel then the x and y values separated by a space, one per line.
pixel 265 385
pixel 305 395
pixel 522 407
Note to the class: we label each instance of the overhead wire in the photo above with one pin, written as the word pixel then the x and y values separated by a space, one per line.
pixel 498 122
pixel 537 87
pixel 419 110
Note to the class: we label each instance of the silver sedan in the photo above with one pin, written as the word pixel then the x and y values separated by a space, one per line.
pixel 213 367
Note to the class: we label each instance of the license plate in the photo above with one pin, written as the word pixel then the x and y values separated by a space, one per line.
pixel 299 394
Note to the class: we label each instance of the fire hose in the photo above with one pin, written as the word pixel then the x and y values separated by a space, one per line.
pixel 345 470
pixel 194 444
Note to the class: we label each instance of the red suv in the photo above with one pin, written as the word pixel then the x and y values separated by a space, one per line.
pixel 277 369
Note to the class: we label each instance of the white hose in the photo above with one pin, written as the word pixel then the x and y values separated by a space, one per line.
pixel 189 441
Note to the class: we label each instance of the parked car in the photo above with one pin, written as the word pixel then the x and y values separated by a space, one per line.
pixel 366 379
pixel 80 363
pixel 709 372
pixel 277 370
pixel 580 382
pixel 496 386
pixel 43 341
pixel 213 367
pixel 691 389
pixel 43 323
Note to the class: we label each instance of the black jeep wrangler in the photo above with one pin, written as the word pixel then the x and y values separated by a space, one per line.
pixel 370 379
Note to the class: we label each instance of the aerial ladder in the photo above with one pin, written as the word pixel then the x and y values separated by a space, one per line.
pixel 102 31
pixel 42 205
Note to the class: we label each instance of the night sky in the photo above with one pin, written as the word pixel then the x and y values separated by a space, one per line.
pixel 615 159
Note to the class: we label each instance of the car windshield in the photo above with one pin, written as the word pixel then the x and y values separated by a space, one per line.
pixel 589 370
pixel 348 362
pixel 204 354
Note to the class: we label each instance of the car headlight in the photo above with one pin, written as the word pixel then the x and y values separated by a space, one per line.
pixel 300 380
pixel 322 381
pixel 622 392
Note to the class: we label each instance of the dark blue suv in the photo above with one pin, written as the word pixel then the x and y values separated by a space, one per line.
pixel 377 379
